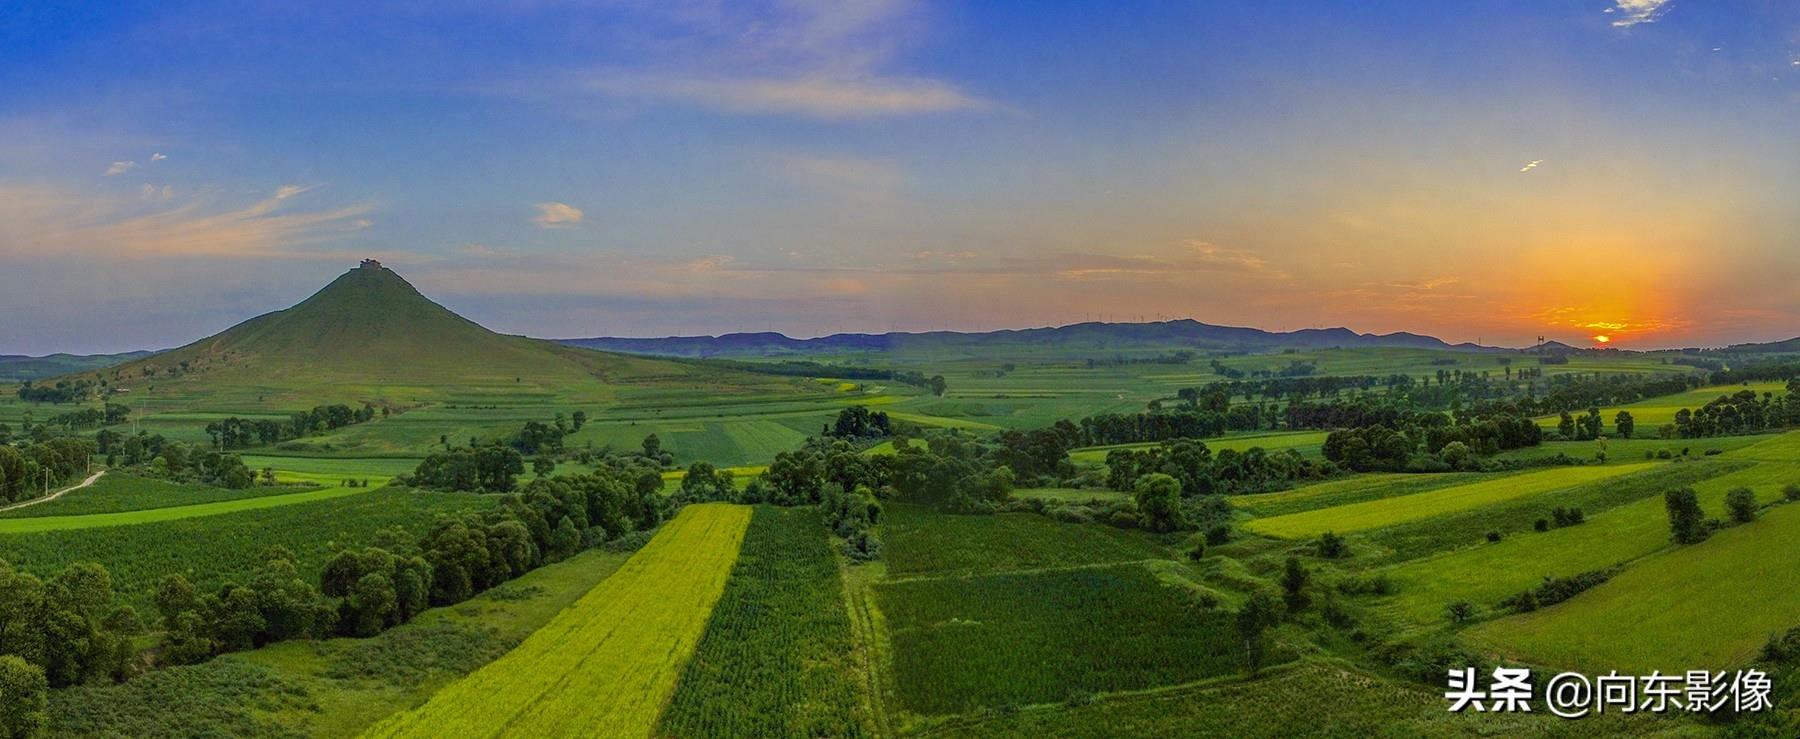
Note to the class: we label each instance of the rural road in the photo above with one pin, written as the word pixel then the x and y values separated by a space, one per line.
pixel 55 495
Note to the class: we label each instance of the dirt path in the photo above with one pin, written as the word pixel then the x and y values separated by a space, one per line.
pixel 55 495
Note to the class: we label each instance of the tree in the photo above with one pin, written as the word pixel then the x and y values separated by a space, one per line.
pixel 1251 622
pixel 1456 454
pixel 1625 424
pixel 1740 502
pixel 652 447
pixel 543 466
pixel 938 385
pixel 1791 493
pixel 1293 585
pixel 579 418
pixel 1159 502
pixel 24 698
pixel 1687 524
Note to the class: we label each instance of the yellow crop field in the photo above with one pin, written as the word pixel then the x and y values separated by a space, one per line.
pixel 1389 511
pixel 608 664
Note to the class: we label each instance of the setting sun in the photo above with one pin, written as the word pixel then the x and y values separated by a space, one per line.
pixel 1603 339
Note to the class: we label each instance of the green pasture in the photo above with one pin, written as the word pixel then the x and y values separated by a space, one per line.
pixel 1343 491
pixel 1486 574
pixel 128 517
pixel 1650 413
pixel 1390 511
pixel 1707 606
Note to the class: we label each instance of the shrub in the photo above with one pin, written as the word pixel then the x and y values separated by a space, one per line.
pixel 1332 546
pixel 1218 534
pixel 1460 612
pixel 1493 537
pixel 1740 502
pixel 1198 552
pixel 1792 492
pixel 1540 525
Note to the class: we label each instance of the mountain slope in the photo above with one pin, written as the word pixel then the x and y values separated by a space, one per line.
pixel 370 335
pixel 14 368
pixel 1179 333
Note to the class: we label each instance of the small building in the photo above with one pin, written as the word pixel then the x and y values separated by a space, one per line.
pixel 370 264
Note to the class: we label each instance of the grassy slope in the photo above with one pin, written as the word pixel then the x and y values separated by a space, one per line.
pixel 211 550
pixel 1390 511
pixel 129 517
pixel 1705 606
pixel 1485 574
pixel 336 687
pixel 607 665
pixel 122 491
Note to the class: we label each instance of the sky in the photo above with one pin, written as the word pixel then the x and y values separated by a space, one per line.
pixel 1491 170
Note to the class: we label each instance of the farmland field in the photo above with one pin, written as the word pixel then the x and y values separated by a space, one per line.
pixel 778 657
pixel 63 521
pixel 1390 511
pixel 118 492
pixel 608 664
pixel 1023 638
pixel 1710 606
pixel 922 541
pixel 227 547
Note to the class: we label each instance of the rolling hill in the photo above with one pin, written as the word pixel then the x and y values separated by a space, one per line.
pixel 1090 335
pixel 16 368
pixel 371 336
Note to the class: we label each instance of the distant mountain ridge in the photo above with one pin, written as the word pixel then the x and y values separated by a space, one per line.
pixel 1097 335
pixel 17 367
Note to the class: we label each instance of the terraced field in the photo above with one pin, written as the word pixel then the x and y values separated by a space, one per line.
pixel 607 665
pixel 1390 511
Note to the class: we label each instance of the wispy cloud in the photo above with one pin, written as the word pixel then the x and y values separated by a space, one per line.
pixel 824 59
pixel 1634 12
pixel 557 215
pixel 119 168
pixel 157 157
pixel 38 223
pixel 1531 165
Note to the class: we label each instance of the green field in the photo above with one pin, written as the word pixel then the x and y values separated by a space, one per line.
pixel 608 664
pixel 1307 443
pixel 1353 489
pixel 214 549
pixel 1708 606
pixel 923 541
pixel 778 657
pixel 1390 511
pixel 131 517
pixel 118 492
pixel 1653 412
pixel 1015 639
pixel 335 687
pixel 1486 574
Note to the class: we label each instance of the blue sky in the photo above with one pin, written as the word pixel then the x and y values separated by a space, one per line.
pixel 570 168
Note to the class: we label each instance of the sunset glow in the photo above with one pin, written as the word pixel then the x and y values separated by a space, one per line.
pixel 1603 339
pixel 813 168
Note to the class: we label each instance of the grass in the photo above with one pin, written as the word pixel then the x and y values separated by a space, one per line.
pixel 1307 443
pixel 1653 412
pixel 118 492
pixel 607 665
pixel 1710 606
pixel 175 513
pixel 212 550
pixel 778 657
pixel 1072 495
pixel 335 687
pixel 1485 574
pixel 1354 489
pixel 1311 698
pixel 1390 511
pixel 923 541
pixel 1023 638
